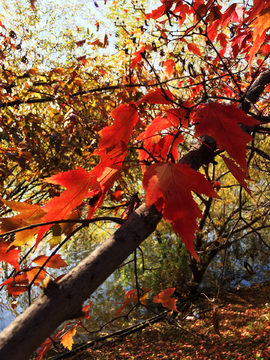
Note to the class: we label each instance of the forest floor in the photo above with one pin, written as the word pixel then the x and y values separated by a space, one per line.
pixel 244 328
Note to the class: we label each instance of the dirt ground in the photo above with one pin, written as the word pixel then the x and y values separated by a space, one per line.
pixel 242 331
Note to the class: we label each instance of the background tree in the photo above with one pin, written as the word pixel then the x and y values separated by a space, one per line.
pixel 186 117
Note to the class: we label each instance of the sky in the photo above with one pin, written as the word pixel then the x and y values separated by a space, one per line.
pixel 56 23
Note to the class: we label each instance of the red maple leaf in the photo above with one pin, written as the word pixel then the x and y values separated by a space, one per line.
pixel 226 17
pixel 222 123
pixel 158 124
pixel 237 172
pixel 161 10
pixel 154 144
pixel 179 116
pixel 184 10
pixel 169 187
pixel 222 38
pixel 86 310
pixel 77 183
pixel 103 184
pixel 9 256
pixel 232 15
pixel 239 42
pixel 125 118
pixel 164 297
pixel 158 96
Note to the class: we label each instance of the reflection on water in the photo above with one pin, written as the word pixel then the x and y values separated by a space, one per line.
pixel 106 300
pixel 6 318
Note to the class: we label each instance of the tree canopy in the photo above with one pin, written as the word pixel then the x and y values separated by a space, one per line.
pixel 156 121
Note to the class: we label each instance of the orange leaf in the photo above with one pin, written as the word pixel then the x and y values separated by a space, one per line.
pixel 31 273
pixel 194 48
pixel 67 339
pixel 157 97
pixel 169 65
pixel 29 214
pixel 237 172
pixel 55 262
pixel 261 25
pixel 169 187
pixel 17 289
pixel 82 59
pixel 137 57
pixel 77 183
pixel 97 43
pixel 9 256
pixel 222 123
pixel 164 297
pixel 184 10
pixel 125 118
pixel 86 310
pixel 16 285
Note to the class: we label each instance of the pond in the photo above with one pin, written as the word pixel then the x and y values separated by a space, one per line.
pixel 105 302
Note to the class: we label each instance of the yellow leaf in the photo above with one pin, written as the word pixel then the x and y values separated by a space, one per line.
pixel 78 81
pixel 144 297
pixel 29 214
pixel 56 236
pixel 67 339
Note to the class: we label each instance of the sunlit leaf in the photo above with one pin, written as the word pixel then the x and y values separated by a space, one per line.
pixel 164 297
pixel 55 262
pixel 67 339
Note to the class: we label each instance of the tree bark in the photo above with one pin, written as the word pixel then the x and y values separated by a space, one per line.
pixel 62 301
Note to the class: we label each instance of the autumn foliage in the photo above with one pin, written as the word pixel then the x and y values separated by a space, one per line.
pixel 189 84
